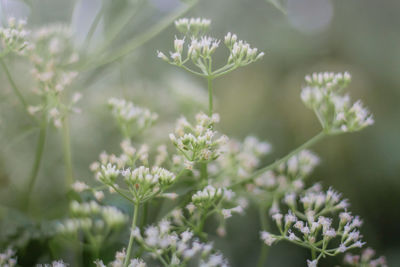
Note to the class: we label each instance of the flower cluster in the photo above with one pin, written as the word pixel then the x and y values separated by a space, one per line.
pixel 143 183
pixel 193 26
pixel 174 249
pixel 129 157
pixel 91 217
pixel 7 258
pixel 13 39
pixel 288 177
pixel 239 160
pixel 198 143
pixel 365 259
pixel 120 257
pixel 201 48
pixel 311 224
pixel 52 49
pixel 131 119
pixel 336 113
pixel 58 263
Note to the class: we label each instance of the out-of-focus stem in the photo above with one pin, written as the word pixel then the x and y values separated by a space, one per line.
pixel 307 144
pixel 69 173
pixel 36 165
pixel 141 39
pixel 265 227
pixel 210 96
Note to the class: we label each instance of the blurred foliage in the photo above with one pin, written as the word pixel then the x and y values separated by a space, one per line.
pixel 362 37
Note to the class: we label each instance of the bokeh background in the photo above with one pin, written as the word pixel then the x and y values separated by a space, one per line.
pixel 298 36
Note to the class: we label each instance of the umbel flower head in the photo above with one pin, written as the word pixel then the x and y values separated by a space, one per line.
pixel 131 119
pixel 51 50
pixel 323 94
pixel 143 182
pixel 309 223
pixel 177 248
pixel 119 260
pixel 13 38
pixel 91 217
pixel 198 143
pixel 199 49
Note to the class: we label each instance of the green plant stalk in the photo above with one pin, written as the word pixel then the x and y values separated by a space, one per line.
pixel 131 238
pixel 15 89
pixel 93 27
pixel 36 165
pixel 272 166
pixel 117 28
pixel 210 96
pixel 69 173
pixel 265 227
pixel 140 39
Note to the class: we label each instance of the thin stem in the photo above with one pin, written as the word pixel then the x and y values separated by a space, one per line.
pixel 265 227
pixel 313 255
pixel 94 25
pixel 38 158
pixel 116 28
pixel 131 238
pixel 272 166
pixel 210 96
pixel 69 174
pixel 15 87
pixel 142 38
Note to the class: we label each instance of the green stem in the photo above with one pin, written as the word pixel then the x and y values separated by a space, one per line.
pixel 93 27
pixel 36 165
pixel 142 38
pixel 131 238
pixel 210 96
pixel 265 227
pixel 272 166
pixel 15 87
pixel 69 174
pixel 313 255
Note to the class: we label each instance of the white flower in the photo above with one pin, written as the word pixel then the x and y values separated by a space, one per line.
pixel 267 238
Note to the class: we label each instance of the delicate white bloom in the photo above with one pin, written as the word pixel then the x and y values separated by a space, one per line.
pixel 79 186
pixel 192 26
pixel 267 238
pixel 335 111
pixel 312 263
pixel 132 119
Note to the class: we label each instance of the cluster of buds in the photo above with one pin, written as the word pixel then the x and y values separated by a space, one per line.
pixel 51 51
pixel 177 249
pixel 91 217
pixel 128 157
pixel 13 39
pixel 201 48
pixel 131 119
pixel 365 259
pixel 193 26
pixel 334 110
pixel 312 225
pixel 300 165
pixel 8 259
pixel 240 159
pixel 198 143
pixel 143 182
pixel 119 261
pixel 58 263
pixel 211 197
pixel 241 54
pixel 288 177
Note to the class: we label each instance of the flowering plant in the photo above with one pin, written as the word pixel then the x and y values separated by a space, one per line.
pixel 200 177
